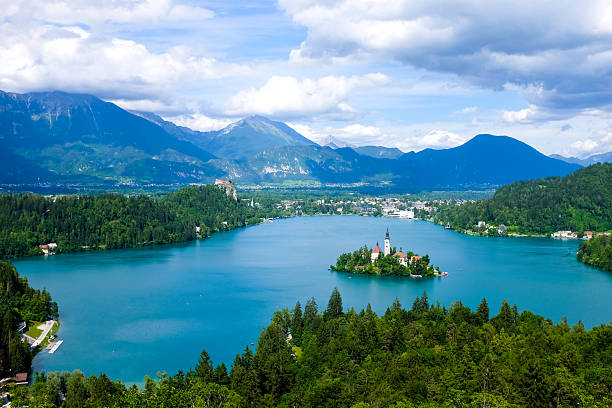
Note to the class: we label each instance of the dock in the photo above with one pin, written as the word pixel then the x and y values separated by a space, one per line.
pixel 56 346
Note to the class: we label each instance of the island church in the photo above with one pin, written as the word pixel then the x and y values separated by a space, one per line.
pixel 376 251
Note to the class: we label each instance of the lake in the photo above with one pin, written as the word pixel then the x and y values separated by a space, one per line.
pixel 130 313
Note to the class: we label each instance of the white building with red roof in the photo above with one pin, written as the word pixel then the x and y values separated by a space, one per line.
pixel 403 259
pixel 376 252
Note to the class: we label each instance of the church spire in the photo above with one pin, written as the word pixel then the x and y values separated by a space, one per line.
pixel 387 244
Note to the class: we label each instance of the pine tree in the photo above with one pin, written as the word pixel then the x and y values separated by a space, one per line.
pixel 396 305
pixel 76 391
pixel 334 306
pixel 220 375
pixel 310 314
pixel 505 318
pixel 297 324
pixel 425 301
pixel 204 369
pixel 535 388
pixel 482 312
pixel 273 360
pixel 416 305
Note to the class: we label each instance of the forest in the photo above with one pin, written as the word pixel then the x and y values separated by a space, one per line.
pixel 597 252
pixel 424 356
pixel 581 201
pixel 360 261
pixel 110 221
pixel 19 303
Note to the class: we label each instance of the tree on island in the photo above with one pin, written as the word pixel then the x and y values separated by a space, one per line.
pixel 397 263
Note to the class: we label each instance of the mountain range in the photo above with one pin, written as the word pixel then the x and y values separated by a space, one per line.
pixel 71 138
pixel 596 158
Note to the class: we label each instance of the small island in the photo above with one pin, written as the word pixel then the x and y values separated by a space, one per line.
pixel 389 261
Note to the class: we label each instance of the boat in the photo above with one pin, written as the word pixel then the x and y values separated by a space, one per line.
pixel 447 226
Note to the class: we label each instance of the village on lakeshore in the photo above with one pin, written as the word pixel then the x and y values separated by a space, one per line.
pixel 387 261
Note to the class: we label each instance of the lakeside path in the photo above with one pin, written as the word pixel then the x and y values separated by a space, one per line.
pixel 46 328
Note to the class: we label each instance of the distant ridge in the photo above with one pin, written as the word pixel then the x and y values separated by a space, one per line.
pixel 335 143
pixel 596 158
pixel 379 152
pixel 247 137
pixel 76 138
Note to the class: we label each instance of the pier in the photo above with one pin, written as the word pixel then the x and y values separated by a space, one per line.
pixel 55 346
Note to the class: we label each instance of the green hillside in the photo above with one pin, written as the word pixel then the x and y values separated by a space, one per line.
pixel 102 221
pixel 581 201
pixel 427 357
pixel 597 252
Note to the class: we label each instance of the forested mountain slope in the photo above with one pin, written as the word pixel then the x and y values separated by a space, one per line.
pixel 580 201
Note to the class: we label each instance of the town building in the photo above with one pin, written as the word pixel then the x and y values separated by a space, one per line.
pixel 48 249
pixel 565 234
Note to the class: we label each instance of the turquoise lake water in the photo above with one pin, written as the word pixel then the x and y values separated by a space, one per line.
pixel 133 312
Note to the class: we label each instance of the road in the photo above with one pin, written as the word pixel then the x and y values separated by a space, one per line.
pixel 47 327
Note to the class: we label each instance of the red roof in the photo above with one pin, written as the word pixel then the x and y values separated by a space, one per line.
pixel 376 250
pixel 400 254
pixel 219 181
pixel 415 258
pixel 21 377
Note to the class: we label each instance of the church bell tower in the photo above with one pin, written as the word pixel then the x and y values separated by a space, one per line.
pixel 387 244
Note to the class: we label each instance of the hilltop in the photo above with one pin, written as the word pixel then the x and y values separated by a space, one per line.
pixel 580 201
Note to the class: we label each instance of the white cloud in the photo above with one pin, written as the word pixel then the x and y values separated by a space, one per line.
pixel 148 105
pixel 522 115
pixel 109 12
pixel 584 145
pixel 308 132
pixel 74 59
pixel 198 121
pixel 563 47
pixel 405 138
pixel 290 97
pixel 440 138
pixel 469 109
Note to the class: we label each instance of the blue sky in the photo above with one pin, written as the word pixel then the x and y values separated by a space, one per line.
pixel 387 72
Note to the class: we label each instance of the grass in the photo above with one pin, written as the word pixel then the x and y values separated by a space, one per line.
pixel 33 330
pixel 55 328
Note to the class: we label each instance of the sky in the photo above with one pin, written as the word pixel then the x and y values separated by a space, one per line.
pixel 398 73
